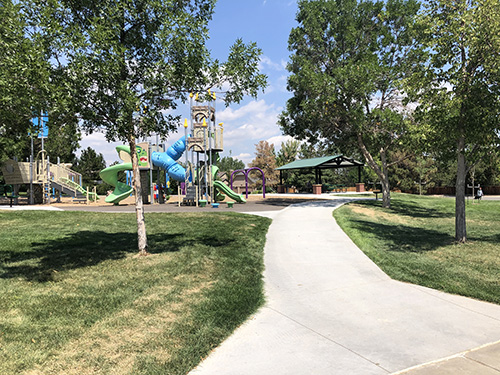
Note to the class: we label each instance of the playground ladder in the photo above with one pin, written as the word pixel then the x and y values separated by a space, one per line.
pixel 190 198
pixel 46 192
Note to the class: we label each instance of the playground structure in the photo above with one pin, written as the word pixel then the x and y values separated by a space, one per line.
pixel 44 179
pixel 201 144
pixel 246 172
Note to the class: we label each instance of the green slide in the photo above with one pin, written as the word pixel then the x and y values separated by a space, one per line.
pixel 110 176
pixel 226 190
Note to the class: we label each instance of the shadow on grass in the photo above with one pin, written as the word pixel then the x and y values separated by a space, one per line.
pixel 88 248
pixel 493 239
pixel 402 238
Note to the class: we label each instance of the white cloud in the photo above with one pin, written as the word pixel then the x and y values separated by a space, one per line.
pixel 266 62
pixel 244 126
pixel 277 140
pixel 251 123
pixel 253 108
pixel 244 157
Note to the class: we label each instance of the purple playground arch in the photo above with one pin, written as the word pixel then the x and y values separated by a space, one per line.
pixel 246 171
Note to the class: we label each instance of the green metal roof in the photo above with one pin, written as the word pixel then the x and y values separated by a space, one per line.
pixel 325 162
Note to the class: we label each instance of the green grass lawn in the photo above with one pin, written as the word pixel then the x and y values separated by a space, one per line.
pixel 75 298
pixel 413 241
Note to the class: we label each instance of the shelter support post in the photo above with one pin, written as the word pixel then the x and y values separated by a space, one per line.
pixel 317 186
pixel 281 187
pixel 360 187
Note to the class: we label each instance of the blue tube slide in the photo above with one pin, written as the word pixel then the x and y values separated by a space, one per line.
pixel 167 160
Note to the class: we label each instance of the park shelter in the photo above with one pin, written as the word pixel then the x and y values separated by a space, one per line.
pixel 321 163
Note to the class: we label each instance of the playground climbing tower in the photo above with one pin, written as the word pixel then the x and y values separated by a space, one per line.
pixel 204 143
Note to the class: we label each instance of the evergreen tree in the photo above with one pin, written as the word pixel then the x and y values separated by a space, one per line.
pixel 288 152
pixel 89 165
pixel 229 164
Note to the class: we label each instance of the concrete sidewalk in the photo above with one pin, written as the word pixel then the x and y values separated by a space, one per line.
pixel 330 310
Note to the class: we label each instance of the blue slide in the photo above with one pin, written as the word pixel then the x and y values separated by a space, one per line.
pixel 168 160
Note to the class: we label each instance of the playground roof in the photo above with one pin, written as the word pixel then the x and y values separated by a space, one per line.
pixel 325 162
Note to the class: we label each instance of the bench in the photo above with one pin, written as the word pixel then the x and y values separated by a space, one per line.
pixel 377 192
pixel 8 192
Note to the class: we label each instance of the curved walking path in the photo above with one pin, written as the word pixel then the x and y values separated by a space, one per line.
pixel 330 310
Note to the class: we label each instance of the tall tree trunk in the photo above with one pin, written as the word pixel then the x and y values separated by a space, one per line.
pixel 142 239
pixel 460 223
pixel 382 174
pixel 386 191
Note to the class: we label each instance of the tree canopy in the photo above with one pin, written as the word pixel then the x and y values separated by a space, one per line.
pixel 289 151
pixel 90 164
pixel 129 63
pixel 228 164
pixel 458 86
pixel 265 159
pixel 29 85
pixel 348 60
pixel 24 79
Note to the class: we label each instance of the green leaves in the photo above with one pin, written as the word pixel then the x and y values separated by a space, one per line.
pixel 125 56
pixel 348 61
pixel 458 85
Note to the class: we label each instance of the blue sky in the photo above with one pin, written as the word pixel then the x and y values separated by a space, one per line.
pixel 268 23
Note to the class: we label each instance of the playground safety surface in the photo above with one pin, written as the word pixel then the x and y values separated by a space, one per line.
pixel 253 204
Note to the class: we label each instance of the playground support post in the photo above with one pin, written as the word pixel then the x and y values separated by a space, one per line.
pixel 48 179
pixel 245 172
pixel 31 176
pixel 205 160
pixel 151 188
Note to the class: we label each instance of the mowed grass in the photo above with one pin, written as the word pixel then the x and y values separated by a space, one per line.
pixel 413 241
pixel 75 298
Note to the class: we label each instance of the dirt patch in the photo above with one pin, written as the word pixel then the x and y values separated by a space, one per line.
pixel 113 344
pixel 371 213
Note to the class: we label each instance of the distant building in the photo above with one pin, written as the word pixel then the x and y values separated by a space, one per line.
pixel 239 183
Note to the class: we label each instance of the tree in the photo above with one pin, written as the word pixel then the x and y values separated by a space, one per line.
pixel 89 165
pixel 29 85
pixel 288 152
pixel 24 79
pixel 130 63
pixel 265 159
pixel 458 88
pixel 415 173
pixel 348 60
pixel 228 164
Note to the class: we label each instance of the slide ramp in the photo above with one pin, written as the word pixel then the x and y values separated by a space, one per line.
pixel 227 190
pixel 110 176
